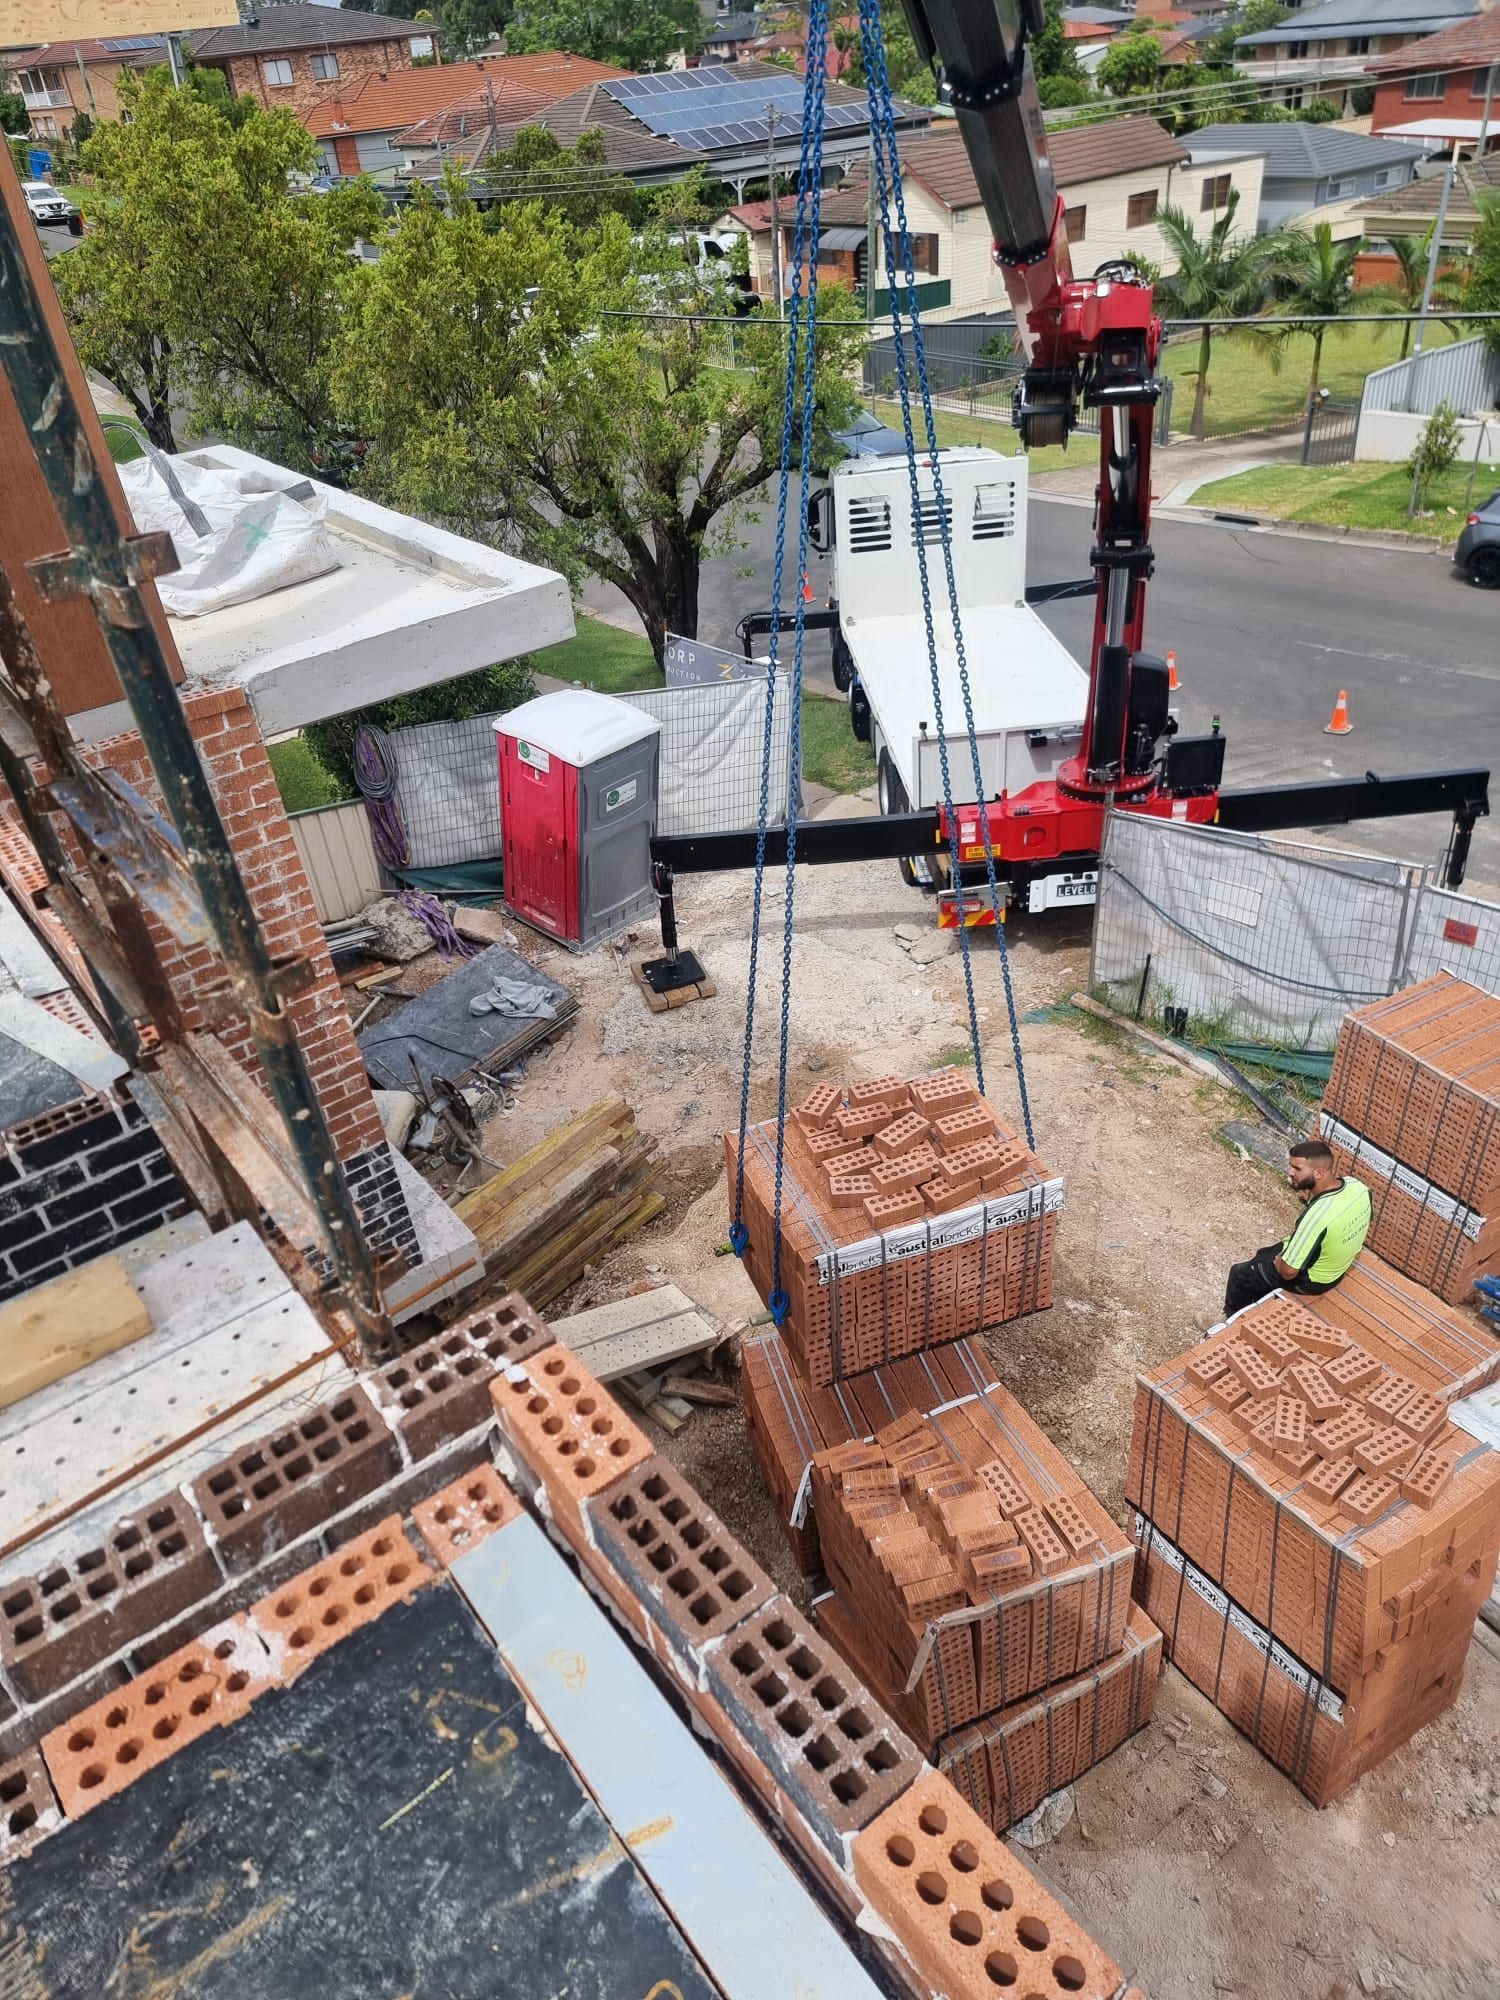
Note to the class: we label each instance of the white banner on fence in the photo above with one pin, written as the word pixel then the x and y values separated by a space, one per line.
pixel 711 744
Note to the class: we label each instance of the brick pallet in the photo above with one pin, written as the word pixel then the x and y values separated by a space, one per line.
pixel 790 1423
pixel 979 1562
pixel 1415 1227
pixel 1007 1763
pixel 1418 1075
pixel 910 1216
pixel 1311 1491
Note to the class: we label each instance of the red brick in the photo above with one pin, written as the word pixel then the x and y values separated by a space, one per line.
pixel 465 1513
pixel 567 1430
pixel 335 1597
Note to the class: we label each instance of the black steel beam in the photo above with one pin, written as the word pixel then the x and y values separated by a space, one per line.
pixel 758 624
pixel 883 837
pixel 1054 593
pixel 1338 801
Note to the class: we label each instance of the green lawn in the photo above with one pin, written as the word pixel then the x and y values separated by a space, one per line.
pixel 602 657
pixel 303 780
pixel 1246 393
pixel 830 754
pixel 1349 496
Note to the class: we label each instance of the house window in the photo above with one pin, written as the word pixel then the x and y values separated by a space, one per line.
pixel 1340 190
pixel 1076 222
pixel 1215 193
pixel 1483 80
pixel 324 68
pixel 924 254
pixel 277 71
pixel 1383 178
pixel 1431 83
pixel 1359 45
pixel 1296 51
pixel 1140 209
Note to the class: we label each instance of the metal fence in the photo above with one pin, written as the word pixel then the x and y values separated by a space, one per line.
pixel 711 742
pixel 1465 375
pixel 448 791
pixel 1329 432
pixel 1270 940
pixel 338 857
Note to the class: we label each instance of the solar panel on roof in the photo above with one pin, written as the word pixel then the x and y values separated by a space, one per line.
pixel 120 48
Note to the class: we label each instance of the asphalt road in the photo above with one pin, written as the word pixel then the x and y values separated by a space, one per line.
pixel 1267 627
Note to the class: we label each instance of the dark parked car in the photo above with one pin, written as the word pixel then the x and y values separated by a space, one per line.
pixel 1478 551
pixel 867 437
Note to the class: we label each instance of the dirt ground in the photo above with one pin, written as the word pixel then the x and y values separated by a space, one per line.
pixel 1197 1864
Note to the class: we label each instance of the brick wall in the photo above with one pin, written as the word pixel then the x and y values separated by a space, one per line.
pixel 247 74
pixel 76 1182
pixel 245 788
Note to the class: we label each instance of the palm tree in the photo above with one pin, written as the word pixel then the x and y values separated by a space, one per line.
pixel 1313 275
pixel 1219 276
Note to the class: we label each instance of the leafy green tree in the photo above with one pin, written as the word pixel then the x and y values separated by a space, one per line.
pixel 1218 276
pixel 910 74
pixel 516 384
pixel 204 278
pixel 1434 453
pixel 1058 92
pixel 13 113
pixel 1052 54
pixel 469 24
pixel 1253 19
pixel 637 34
pixel 575 179
pixel 1482 291
pixel 1314 275
pixel 1132 61
pixel 1403 291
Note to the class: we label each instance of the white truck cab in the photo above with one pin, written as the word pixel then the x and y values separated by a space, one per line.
pixel 1027 690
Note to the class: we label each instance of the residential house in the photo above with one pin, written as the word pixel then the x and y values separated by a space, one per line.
pixel 296 55
pixel 1115 179
pixel 726 36
pixel 843 219
pixel 356 129
pixel 1089 32
pixel 730 116
pixel 1442 82
pixel 60 80
pixel 467 138
pixel 1412 210
pixel 1324 50
pixel 1316 173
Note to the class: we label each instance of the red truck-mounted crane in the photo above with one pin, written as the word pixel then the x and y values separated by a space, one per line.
pixel 1089 343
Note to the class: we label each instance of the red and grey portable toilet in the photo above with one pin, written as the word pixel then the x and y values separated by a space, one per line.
pixel 578 787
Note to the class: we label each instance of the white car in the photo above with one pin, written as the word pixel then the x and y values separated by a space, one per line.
pixel 46 203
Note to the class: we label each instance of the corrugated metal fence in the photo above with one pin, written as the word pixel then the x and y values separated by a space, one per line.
pixel 1466 376
pixel 338 856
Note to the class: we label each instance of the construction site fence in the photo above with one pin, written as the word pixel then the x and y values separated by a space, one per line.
pixel 712 739
pixel 1239 937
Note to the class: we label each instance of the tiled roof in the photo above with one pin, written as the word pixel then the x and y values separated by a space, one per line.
pixel 1473 42
pixel 393 100
pixel 1087 153
pixel 845 204
pixel 290 25
pixel 128 50
pixel 628 147
pixel 1336 19
pixel 1301 151
pixel 1419 199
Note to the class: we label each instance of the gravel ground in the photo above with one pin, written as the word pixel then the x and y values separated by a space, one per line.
pixel 1193 1859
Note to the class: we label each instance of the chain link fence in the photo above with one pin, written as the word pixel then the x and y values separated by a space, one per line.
pixel 1234 937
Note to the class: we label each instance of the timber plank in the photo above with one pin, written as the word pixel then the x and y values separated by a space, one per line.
pixel 62 1326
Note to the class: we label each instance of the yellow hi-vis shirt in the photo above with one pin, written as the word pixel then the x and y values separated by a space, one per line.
pixel 1331 1233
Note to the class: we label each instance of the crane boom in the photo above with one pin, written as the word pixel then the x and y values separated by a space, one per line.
pixel 1088 342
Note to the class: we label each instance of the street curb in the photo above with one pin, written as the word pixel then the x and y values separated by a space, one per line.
pixel 1323 531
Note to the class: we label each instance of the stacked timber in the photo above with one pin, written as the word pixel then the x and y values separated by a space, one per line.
pixel 1413 1110
pixel 1315 1534
pixel 541 1221
pixel 910 1215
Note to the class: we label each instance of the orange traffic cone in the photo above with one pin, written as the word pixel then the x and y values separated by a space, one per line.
pixel 1338 724
pixel 1174 685
pixel 807 589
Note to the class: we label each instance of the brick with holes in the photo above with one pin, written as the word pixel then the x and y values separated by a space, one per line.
pixel 850 1190
pixel 903 1135
pixel 675 1555
pixel 28 1805
pixel 203 1685
pixel 817 1112
pixel 270 1492
pixel 57 1624
pixel 335 1597
pixel 807 1716
pixel 569 1433
pixel 967 1913
pixel 464 1513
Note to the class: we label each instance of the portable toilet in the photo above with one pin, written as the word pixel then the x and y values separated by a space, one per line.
pixel 578 786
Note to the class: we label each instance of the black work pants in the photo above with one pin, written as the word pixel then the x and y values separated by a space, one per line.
pixel 1257 1277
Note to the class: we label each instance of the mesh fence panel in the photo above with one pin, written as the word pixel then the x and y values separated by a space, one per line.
pixel 1255 940
pixel 448 791
pixel 1453 933
pixel 711 740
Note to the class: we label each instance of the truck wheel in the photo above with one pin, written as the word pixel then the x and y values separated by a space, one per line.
pixel 892 796
pixel 859 713
pixel 842 662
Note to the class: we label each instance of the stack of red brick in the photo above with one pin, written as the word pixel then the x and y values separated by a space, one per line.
pixel 1315 1535
pixel 1413 1109
pixel 910 1215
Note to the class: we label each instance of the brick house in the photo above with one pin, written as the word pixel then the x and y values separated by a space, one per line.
pixel 60 80
pixel 356 128
pixel 297 55
pixel 1324 50
pixel 1443 76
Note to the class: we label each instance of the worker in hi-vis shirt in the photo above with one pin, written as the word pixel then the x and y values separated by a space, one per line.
pixel 1325 1242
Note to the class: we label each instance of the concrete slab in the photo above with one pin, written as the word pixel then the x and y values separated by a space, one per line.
pixel 729 1889
pixel 226 1323
pixel 640 1332
pixel 408 603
